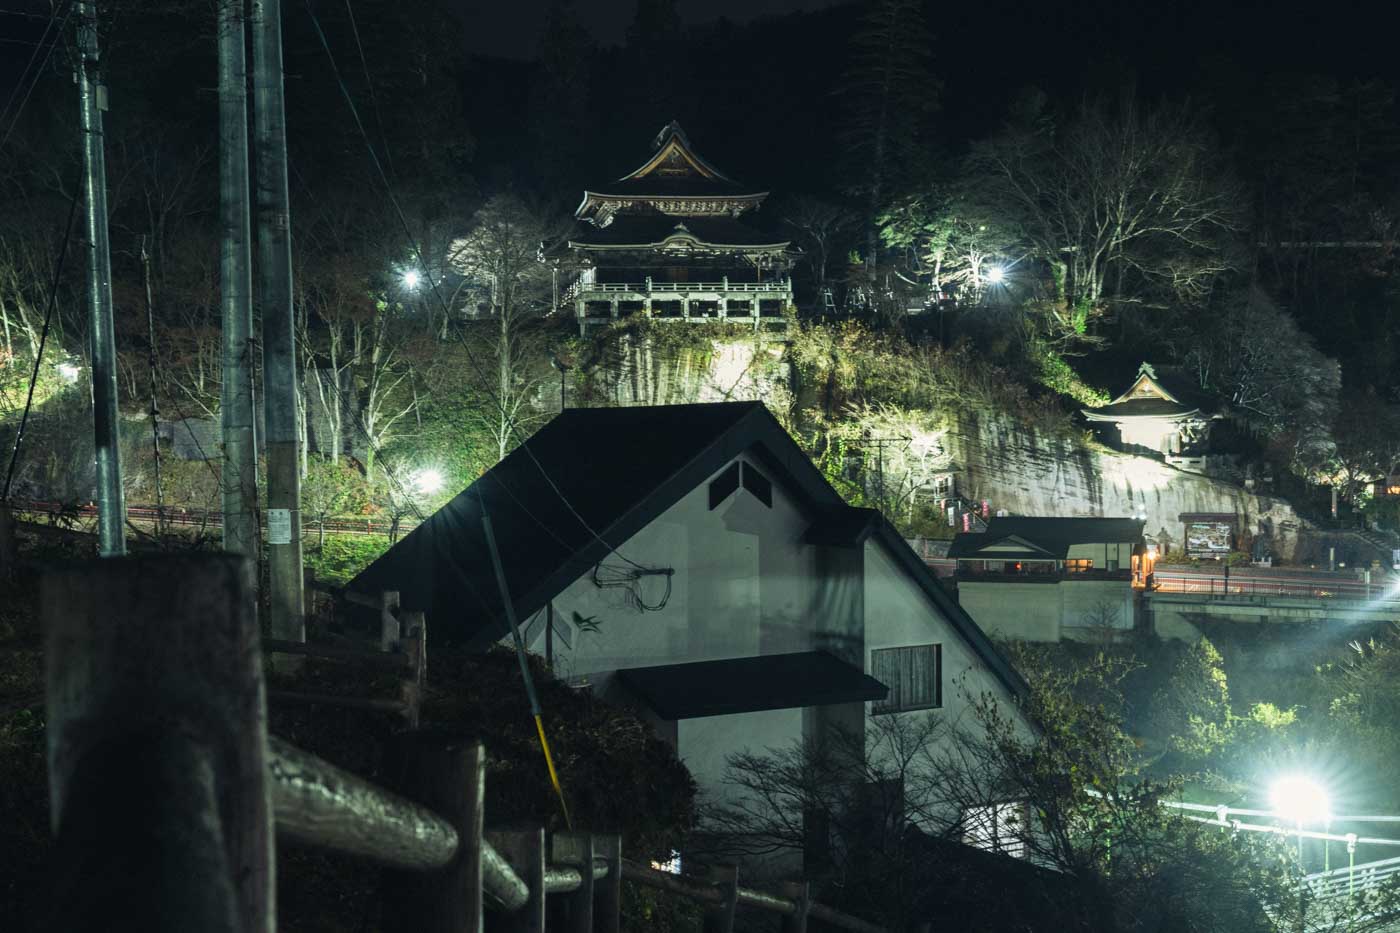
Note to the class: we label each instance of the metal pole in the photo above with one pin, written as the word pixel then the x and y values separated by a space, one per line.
pixel 240 457
pixel 285 597
pixel 111 500
pixel 151 362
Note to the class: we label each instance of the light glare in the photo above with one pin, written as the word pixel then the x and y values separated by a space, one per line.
pixel 427 481
pixel 996 275
pixel 68 372
pixel 1299 800
pixel 411 278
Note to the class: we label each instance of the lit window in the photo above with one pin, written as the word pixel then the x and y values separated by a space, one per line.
pixel 1079 565
pixel 914 676
pixel 999 827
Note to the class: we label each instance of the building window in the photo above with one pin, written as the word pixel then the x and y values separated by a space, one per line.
pixel 999 827
pixel 723 485
pixel 914 676
pixel 758 484
pixel 1079 565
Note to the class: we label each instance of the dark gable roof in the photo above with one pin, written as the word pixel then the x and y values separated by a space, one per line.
pixel 745 685
pixel 620 468
pixel 1052 535
pixel 1190 397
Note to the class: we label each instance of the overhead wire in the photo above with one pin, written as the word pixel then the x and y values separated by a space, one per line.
pixel 43 340
pixel 510 420
pixel 38 72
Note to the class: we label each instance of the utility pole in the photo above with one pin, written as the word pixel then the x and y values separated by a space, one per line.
pixel 92 98
pixel 240 458
pixel 285 597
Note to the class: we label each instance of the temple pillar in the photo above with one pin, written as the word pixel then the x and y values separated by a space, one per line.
pixel 685 307
pixel 613 308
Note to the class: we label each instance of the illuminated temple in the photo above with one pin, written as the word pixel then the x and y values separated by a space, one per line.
pixel 673 240
pixel 1159 414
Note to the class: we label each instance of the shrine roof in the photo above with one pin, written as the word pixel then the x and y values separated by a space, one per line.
pixel 675 170
pixel 652 230
pixel 1156 392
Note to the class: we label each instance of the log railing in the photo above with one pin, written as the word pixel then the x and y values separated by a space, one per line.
pixel 168 793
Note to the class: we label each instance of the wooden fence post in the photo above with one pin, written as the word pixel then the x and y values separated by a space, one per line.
pixel 801 894
pixel 415 645
pixel 388 620
pixel 607 899
pixel 720 918
pixel 574 910
pixel 448 775
pixel 157 745
pixel 9 547
pixel 524 851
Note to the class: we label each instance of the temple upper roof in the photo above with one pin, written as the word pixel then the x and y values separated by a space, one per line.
pixel 675 180
pixel 1151 395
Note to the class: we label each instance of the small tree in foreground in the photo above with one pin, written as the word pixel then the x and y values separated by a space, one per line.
pixel 1098 851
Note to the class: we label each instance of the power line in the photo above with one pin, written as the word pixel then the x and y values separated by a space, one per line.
pixel 43 338
pixel 418 254
pixel 19 111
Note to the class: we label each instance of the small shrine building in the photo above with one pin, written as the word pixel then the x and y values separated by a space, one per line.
pixel 673 240
pixel 1160 414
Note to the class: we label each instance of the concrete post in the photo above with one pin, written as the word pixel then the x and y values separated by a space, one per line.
pixel 240 458
pixel 111 498
pixel 157 745
pixel 286 599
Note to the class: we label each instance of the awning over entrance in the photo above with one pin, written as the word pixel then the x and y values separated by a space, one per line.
pixel 746 685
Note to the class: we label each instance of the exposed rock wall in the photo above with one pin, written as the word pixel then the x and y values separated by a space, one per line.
pixel 638 371
pixel 1029 473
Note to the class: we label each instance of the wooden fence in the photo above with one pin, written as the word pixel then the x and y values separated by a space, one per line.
pixel 166 788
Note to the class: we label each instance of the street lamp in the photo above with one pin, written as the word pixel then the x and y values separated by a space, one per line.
pixel 427 481
pixel 563 368
pixel 996 275
pixel 410 279
pixel 1300 800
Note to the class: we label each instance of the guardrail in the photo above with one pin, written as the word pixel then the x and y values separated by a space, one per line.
pixel 59 513
pixel 1384 590
pixel 166 787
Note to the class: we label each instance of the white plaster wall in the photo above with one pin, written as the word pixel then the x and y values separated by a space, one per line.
pixel 743 585
pixel 897 614
pixel 706 744
pixel 1023 611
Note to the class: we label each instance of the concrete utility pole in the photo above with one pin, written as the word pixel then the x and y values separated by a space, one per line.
pixel 111 499
pixel 285 597
pixel 240 463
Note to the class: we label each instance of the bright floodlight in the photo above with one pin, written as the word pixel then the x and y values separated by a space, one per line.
pixel 427 481
pixel 1299 800
pixel 68 372
pixel 996 275
pixel 411 278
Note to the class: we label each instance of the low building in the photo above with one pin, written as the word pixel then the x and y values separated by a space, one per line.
pixel 1047 579
pixel 692 562
pixel 1163 415
pixel 673 240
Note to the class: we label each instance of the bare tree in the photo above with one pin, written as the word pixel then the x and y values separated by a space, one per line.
pixel 500 257
pixel 819 225
pixel 1124 203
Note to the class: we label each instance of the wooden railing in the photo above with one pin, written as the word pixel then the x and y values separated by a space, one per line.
pixel 167 789
pixel 777 285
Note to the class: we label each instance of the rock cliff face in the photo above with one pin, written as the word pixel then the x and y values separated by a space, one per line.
pixel 1027 473
pixel 999 459
pixel 638 371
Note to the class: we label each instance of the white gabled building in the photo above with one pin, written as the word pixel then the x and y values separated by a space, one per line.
pixel 691 561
